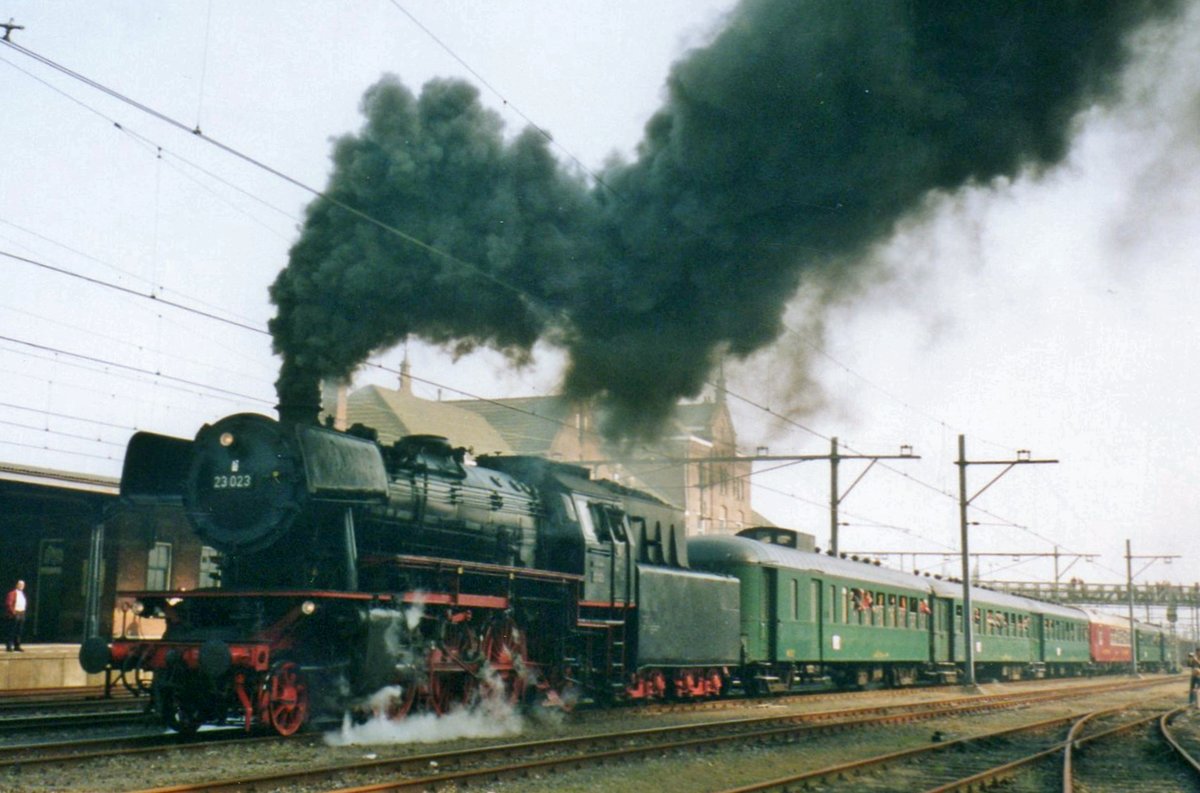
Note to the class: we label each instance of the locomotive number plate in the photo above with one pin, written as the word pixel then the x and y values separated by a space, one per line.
pixel 231 481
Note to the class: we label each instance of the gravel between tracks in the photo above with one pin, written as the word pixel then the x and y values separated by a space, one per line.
pixel 706 770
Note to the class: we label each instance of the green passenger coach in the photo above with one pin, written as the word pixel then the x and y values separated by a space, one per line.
pixel 1016 637
pixel 808 617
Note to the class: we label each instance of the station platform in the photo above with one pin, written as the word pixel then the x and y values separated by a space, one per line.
pixel 44 666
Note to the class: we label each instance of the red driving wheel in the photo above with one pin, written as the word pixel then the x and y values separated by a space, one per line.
pixel 287 698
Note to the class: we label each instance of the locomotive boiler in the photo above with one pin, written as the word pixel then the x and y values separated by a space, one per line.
pixel 348 567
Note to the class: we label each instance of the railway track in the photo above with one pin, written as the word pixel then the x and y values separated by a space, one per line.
pixel 1121 755
pixel 538 759
pixel 24 701
pixel 61 753
pixel 84 718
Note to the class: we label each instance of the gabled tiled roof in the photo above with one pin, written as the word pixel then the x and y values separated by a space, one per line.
pixel 396 414
pixel 528 424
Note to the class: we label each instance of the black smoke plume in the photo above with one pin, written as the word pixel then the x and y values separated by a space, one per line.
pixel 787 146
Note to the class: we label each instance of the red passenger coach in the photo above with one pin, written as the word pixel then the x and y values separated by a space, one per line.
pixel 1109 639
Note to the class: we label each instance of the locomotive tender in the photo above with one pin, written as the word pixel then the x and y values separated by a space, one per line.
pixel 350 568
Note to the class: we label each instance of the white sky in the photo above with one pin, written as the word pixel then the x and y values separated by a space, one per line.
pixel 1053 313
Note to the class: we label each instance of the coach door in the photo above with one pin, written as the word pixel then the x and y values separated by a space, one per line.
pixel 772 616
pixel 941 631
pixel 1039 636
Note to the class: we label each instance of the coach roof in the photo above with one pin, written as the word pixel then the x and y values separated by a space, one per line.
pixel 709 552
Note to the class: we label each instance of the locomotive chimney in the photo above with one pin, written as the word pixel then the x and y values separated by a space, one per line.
pixel 299 398
pixel 295 413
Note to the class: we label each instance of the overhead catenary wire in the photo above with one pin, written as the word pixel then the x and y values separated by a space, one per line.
pixel 891 468
pixel 138 369
pixel 819 350
pixel 129 291
pixel 596 177
pixel 44 447
pixel 102 366
pixel 168 153
pixel 71 416
pixel 257 163
pixel 63 433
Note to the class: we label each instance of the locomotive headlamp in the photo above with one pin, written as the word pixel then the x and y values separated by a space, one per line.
pixel 226 439
pixel 307 607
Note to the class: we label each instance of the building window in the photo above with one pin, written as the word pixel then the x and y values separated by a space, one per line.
pixel 158 567
pixel 210 574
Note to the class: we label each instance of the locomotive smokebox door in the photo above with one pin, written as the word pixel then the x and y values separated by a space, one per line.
pixel 245 486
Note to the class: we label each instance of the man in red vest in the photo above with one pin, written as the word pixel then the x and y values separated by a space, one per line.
pixel 14 607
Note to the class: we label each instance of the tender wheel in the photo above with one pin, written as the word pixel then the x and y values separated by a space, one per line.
pixel 286 698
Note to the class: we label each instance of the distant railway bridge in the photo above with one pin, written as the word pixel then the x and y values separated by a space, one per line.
pixel 1170 597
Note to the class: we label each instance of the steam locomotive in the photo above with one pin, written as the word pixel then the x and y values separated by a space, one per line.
pixel 350 568
pixel 362 578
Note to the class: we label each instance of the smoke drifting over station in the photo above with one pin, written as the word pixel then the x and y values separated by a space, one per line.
pixel 785 148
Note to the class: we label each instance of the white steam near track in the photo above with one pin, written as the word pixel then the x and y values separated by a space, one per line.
pixel 491 718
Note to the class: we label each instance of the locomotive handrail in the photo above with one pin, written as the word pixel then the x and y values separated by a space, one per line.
pixel 161 594
pixel 460 565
